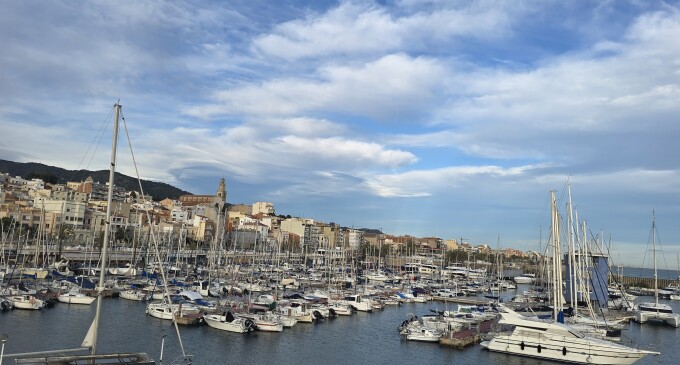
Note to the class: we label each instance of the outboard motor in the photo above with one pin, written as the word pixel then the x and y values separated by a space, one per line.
pixel 250 325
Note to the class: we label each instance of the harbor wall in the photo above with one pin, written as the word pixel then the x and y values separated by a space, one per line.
pixel 633 281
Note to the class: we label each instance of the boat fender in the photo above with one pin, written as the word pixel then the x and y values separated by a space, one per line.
pixel 538 348
pixel 564 351
pixel 521 345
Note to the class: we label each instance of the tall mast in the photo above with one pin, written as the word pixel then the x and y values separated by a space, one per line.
pixel 554 233
pixel 656 284
pixel 107 229
pixel 572 254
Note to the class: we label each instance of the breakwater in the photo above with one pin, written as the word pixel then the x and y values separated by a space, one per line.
pixel 641 282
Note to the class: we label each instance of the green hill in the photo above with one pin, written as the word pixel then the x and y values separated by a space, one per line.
pixel 52 174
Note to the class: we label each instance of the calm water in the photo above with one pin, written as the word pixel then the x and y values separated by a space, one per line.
pixel 363 338
pixel 642 272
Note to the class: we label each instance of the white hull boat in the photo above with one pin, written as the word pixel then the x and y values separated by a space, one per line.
pixel 267 322
pixel 558 342
pixel 136 295
pixel 656 312
pixel 128 270
pixel 525 279
pixel 76 298
pixel 170 311
pixel 341 309
pixel 26 302
pixel 229 323
pixel 298 310
pixel 359 303
pixel 423 334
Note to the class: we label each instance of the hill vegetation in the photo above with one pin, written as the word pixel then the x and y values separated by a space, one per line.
pixel 53 174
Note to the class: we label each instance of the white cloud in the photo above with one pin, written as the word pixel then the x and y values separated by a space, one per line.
pixel 390 87
pixel 418 183
pixel 308 127
pixel 355 28
pixel 346 152
pixel 363 99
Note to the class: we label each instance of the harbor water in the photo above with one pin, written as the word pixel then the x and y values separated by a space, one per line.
pixel 363 338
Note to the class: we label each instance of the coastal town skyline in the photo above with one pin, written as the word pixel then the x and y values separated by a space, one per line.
pixel 447 119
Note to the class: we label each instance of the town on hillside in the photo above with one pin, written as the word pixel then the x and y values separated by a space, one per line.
pixel 72 215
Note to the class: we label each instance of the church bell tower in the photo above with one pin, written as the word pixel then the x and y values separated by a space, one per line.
pixel 222 192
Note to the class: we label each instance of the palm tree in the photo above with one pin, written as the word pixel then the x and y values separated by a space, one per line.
pixel 65 232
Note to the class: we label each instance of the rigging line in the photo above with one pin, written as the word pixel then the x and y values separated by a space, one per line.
pixel 97 138
pixel 658 243
pixel 153 236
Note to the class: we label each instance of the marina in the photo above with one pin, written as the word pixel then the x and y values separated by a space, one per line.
pixel 359 338
pixel 339 182
pixel 566 309
pixel 342 304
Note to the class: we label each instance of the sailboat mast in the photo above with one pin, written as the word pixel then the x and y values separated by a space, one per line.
pixel 656 284
pixel 107 228
pixel 572 254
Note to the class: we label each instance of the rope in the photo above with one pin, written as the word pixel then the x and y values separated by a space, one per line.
pixel 98 139
pixel 154 240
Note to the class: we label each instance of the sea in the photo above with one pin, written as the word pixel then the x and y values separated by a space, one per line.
pixel 643 272
pixel 363 338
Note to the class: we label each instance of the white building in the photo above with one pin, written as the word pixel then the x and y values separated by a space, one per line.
pixel 70 212
pixel 179 215
pixel 354 238
pixel 266 208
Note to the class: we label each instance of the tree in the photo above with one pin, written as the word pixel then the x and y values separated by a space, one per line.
pixel 65 232
pixel 123 234
pixel 7 223
pixel 46 177
pixel 385 249
pixel 99 238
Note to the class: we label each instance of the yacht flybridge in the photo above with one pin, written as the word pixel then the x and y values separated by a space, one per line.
pixel 554 340
pixel 558 342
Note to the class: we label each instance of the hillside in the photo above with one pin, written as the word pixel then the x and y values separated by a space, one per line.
pixel 157 190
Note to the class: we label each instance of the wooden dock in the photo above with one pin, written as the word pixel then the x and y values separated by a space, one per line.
pixel 460 342
pixel 466 337
pixel 190 319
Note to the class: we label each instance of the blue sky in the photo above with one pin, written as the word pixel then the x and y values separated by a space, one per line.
pixel 445 118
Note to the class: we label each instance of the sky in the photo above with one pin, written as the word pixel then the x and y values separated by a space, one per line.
pixel 448 118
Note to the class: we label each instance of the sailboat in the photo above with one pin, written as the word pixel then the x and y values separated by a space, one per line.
pixel 532 337
pixel 91 338
pixel 74 296
pixel 655 311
